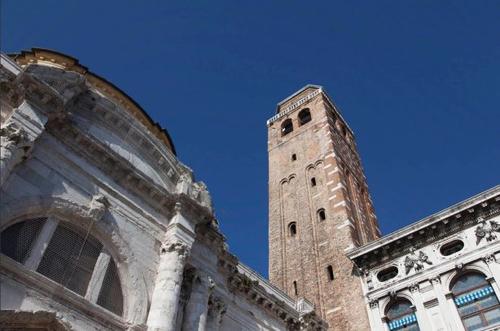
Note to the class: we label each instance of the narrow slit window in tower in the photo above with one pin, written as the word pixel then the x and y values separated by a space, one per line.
pixel 329 270
pixel 321 214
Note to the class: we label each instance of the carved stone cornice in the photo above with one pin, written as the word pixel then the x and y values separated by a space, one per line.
pixel 254 292
pixel 67 63
pixel 53 90
pixel 125 173
pixel 443 224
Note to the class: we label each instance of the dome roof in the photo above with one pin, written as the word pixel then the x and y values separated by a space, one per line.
pixel 49 57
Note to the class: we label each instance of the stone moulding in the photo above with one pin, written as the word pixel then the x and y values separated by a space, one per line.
pixel 428 230
pixel 10 319
pixel 123 173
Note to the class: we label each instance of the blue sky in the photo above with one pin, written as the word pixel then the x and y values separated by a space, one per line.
pixel 418 81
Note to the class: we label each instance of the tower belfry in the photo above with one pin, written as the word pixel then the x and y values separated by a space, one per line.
pixel 319 207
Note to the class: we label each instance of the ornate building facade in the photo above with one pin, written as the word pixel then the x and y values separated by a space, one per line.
pixel 102 227
pixel 437 274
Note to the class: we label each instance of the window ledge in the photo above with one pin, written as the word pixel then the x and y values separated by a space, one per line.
pixel 52 289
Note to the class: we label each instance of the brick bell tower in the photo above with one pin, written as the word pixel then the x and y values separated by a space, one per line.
pixel 319 207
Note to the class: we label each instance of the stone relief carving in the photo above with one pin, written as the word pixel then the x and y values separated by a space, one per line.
pixel 200 193
pixel 13 136
pixel 486 229
pixel 98 207
pixel 216 308
pixel 184 182
pixel 416 262
pixel 195 190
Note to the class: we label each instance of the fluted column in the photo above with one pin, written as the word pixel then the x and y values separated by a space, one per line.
pixel 195 318
pixel 216 310
pixel 174 252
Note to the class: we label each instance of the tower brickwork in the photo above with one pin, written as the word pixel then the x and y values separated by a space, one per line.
pixel 319 207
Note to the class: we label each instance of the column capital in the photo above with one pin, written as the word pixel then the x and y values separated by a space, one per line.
pixel 414 287
pixel 373 303
pixel 216 310
pixel 489 258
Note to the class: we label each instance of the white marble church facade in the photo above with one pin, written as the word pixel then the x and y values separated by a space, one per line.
pixel 102 227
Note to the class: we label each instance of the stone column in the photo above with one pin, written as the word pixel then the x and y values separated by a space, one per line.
pixel 446 306
pixel 165 301
pixel 421 311
pixel 195 318
pixel 216 311
pixel 376 317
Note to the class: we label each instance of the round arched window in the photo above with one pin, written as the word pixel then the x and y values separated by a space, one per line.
pixel 67 255
pixel 400 315
pixel 476 301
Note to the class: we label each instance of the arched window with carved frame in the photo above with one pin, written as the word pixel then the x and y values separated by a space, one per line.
pixel 67 255
pixel 400 315
pixel 475 299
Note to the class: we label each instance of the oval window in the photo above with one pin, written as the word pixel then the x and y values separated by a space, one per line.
pixel 387 274
pixel 452 247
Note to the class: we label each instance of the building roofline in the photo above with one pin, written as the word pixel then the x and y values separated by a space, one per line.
pixel 425 222
pixel 322 91
pixel 297 93
pixel 70 63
